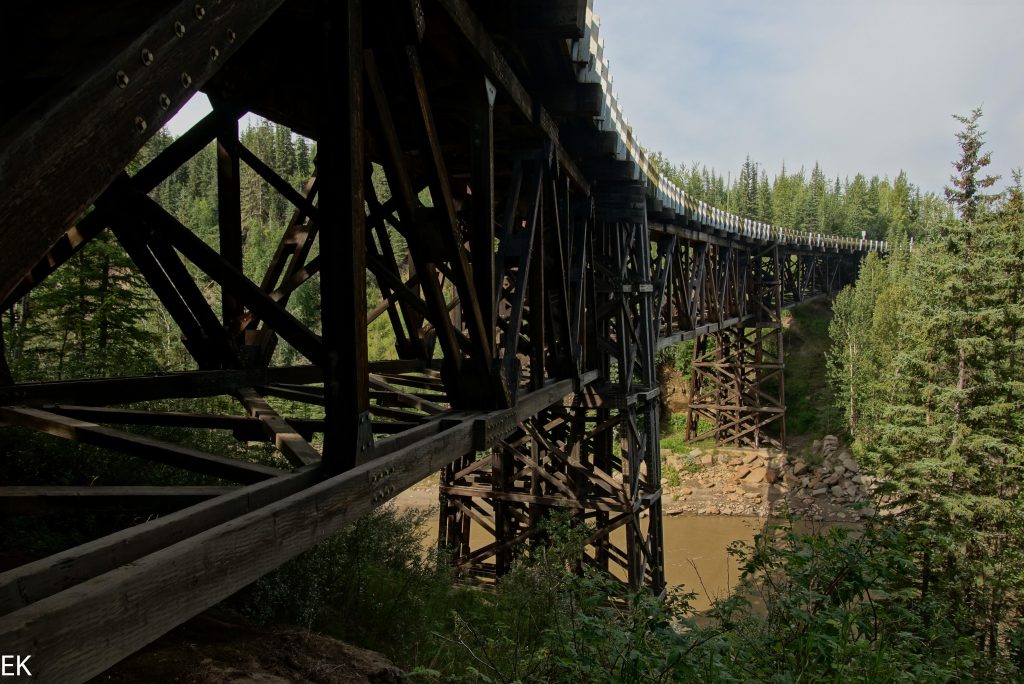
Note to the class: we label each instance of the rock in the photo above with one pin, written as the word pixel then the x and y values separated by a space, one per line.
pixel 752 495
pixel 710 485
pixel 840 469
pixel 729 489
pixel 750 458
pixel 837 491
pixel 833 479
pixel 756 475
pixel 799 468
pixel 686 491
pixel 816 446
pixel 707 460
pixel 851 465
pixel 820 491
pixel 771 475
pixel 742 472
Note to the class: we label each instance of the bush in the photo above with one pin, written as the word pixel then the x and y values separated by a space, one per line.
pixel 365 585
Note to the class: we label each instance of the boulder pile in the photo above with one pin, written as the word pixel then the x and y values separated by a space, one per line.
pixel 824 483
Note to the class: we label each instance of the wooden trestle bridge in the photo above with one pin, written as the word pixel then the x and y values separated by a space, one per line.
pixel 548 263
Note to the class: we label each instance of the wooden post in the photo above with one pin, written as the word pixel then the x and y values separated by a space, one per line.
pixel 343 240
pixel 482 241
pixel 229 206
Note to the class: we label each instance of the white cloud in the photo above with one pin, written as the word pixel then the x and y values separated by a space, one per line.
pixel 859 86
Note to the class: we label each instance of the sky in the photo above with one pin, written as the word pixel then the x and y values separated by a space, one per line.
pixel 857 85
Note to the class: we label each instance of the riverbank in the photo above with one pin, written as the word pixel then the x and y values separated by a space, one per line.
pixel 821 482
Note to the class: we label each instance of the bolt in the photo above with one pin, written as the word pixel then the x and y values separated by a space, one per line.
pixel 122 79
pixel 179 29
pixel 214 53
pixel 165 102
pixel 147 57
pixel 231 36
pixel 186 80
pixel 200 11
pixel 140 124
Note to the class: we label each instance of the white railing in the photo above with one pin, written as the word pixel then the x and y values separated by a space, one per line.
pixel 592 67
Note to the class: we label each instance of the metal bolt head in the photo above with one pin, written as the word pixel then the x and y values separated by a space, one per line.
pixel 165 102
pixel 186 80
pixel 179 29
pixel 140 124
pixel 231 36
pixel 200 11
pixel 122 79
pixel 214 53
pixel 147 57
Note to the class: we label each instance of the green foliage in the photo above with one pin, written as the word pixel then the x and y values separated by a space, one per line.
pixel 880 208
pixel 844 606
pixel 372 584
pixel 926 369
pixel 841 605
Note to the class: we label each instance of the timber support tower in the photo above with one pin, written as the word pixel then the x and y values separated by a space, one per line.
pixel 531 263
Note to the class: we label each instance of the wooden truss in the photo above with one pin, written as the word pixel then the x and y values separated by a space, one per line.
pixel 525 269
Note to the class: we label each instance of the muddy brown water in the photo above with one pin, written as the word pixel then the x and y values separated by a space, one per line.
pixel 697 557
pixel 696 553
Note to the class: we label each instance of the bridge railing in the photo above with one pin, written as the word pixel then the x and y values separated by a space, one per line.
pixel 588 53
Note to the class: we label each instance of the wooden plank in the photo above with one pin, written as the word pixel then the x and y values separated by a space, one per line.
pixel 137 445
pixel 78 633
pixel 281 434
pixel 38 500
pixel 126 390
pixel 56 157
pixel 45 577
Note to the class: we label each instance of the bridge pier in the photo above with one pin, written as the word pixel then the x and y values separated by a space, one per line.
pixel 597 454
pixel 737 388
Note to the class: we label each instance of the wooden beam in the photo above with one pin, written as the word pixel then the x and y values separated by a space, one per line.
pixel 137 445
pixel 214 265
pixel 57 156
pixel 229 208
pixel 343 239
pixel 78 633
pixel 245 428
pixel 127 390
pixel 147 499
pixel 37 580
pixel 286 438
pixel 482 238
pixel 502 74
